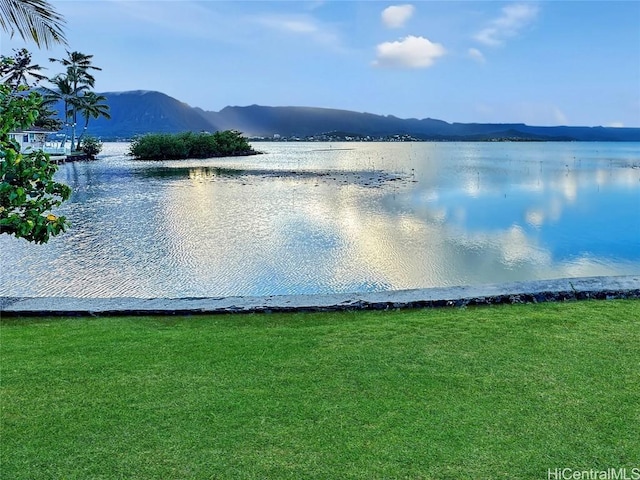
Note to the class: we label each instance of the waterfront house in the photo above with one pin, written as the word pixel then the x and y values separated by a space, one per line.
pixel 35 138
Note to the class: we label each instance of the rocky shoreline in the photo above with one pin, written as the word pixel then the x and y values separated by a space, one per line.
pixel 560 290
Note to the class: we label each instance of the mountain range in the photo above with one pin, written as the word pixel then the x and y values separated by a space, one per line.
pixel 142 111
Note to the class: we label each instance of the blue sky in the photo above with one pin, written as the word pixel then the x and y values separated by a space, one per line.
pixel 541 63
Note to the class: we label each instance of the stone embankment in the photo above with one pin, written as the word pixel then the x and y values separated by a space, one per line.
pixel 568 289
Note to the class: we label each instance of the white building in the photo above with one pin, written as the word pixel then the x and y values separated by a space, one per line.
pixel 35 138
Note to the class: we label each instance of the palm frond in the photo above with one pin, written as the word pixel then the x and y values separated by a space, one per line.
pixel 33 20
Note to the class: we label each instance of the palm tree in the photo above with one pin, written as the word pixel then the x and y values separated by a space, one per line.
pixel 90 106
pixel 46 118
pixel 78 66
pixel 64 92
pixel 33 20
pixel 18 70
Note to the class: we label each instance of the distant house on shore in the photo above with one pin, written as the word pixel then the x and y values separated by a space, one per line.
pixel 35 138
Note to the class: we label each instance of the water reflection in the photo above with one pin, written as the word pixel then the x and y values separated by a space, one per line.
pixel 359 217
pixel 369 178
pixel 193 173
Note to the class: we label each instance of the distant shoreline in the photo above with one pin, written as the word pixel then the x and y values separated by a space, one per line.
pixel 406 139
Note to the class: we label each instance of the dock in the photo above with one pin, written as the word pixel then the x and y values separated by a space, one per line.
pixel 77 157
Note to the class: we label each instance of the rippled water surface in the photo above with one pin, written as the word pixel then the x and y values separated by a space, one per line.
pixel 348 217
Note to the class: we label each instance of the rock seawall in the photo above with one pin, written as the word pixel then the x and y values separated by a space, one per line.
pixel 571 289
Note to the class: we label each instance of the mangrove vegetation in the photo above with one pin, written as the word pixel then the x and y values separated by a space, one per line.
pixel 166 146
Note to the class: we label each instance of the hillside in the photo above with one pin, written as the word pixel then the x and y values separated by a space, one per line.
pixel 305 121
pixel 138 112
pixel 141 111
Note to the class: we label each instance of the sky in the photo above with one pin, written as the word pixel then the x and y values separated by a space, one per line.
pixel 541 63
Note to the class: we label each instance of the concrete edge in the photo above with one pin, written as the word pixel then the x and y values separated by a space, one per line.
pixel 508 293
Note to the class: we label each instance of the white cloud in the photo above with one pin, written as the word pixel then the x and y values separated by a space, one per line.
pixel 185 18
pixel 298 26
pixel 514 18
pixel 476 55
pixel 396 15
pixel 301 25
pixel 410 52
pixel 616 125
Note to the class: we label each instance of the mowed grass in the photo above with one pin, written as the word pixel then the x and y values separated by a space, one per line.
pixel 491 392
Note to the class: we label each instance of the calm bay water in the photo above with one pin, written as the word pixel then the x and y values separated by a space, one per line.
pixel 341 217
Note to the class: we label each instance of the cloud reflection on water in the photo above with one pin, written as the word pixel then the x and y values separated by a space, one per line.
pixel 374 217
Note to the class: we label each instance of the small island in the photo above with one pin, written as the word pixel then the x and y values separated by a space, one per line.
pixel 166 146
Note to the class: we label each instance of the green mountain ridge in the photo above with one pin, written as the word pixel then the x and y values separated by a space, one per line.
pixel 142 111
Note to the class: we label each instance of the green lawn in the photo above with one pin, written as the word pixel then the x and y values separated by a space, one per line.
pixel 479 393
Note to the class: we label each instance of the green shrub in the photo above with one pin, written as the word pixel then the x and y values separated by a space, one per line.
pixel 164 146
pixel 28 191
pixel 91 146
pixel 229 142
